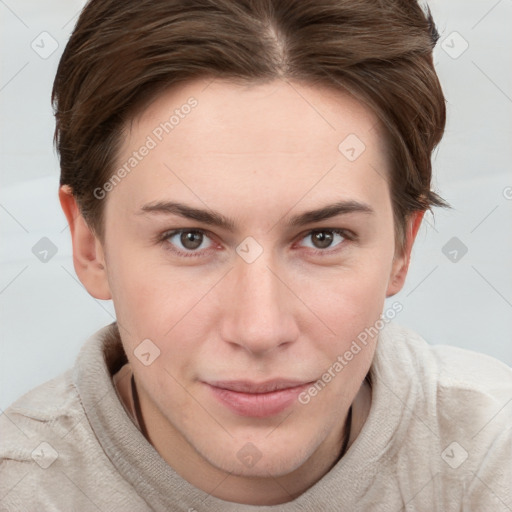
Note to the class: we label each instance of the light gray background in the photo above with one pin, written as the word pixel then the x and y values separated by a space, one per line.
pixel 46 314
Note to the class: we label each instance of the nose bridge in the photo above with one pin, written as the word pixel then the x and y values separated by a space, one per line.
pixel 258 316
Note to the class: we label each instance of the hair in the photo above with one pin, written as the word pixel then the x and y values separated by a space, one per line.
pixel 121 55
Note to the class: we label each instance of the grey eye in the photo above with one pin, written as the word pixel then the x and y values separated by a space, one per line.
pixel 189 240
pixel 323 239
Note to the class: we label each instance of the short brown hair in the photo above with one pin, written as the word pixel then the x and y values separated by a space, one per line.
pixel 122 54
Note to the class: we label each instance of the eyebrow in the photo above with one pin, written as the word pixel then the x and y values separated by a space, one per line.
pixel 214 218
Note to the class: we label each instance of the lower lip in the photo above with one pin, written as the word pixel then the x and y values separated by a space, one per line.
pixel 258 405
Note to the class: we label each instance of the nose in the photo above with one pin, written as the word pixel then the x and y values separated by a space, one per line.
pixel 258 310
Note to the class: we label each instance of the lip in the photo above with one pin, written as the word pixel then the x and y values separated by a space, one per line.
pixel 257 400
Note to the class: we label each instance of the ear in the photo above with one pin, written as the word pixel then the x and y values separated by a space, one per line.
pixel 88 255
pixel 401 261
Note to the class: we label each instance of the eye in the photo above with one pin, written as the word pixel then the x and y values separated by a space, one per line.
pixel 325 238
pixel 188 240
pixel 194 242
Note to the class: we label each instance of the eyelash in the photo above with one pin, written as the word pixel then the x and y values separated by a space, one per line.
pixel 164 240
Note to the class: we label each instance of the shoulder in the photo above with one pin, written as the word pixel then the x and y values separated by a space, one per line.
pixel 453 370
pixel 471 391
pixel 50 457
pixel 41 425
pixel 52 406
pixel 466 387
pixel 34 438
pixel 458 405
pixel 54 409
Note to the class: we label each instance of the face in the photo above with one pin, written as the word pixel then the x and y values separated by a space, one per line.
pixel 251 249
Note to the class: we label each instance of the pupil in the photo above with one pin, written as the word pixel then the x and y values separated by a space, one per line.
pixel 322 239
pixel 191 239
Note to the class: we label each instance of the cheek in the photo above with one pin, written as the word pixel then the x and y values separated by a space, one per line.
pixel 160 303
pixel 356 292
pixel 348 303
pixel 141 293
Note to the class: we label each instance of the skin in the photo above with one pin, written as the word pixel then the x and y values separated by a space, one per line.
pixel 258 155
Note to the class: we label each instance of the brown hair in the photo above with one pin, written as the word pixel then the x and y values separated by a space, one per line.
pixel 122 54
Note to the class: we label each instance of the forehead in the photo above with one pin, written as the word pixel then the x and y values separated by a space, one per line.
pixel 274 140
pixel 282 115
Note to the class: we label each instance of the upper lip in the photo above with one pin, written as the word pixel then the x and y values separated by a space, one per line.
pixel 246 386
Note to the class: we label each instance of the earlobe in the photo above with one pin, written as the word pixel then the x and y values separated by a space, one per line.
pixel 88 254
pixel 401 263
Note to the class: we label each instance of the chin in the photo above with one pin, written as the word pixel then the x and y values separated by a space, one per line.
pixel 259 459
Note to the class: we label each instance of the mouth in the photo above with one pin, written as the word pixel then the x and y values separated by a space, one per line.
pixel 257 400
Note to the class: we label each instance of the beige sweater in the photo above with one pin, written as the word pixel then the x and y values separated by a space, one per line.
pixel 438 438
